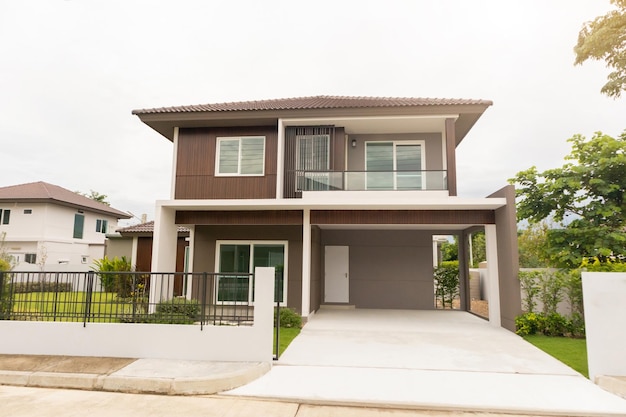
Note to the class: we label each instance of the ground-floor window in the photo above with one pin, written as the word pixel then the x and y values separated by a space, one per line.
pixel 243 257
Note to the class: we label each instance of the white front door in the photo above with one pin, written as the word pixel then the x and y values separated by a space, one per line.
pixel 336 274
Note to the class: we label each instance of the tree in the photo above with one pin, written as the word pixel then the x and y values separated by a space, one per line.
pixel 479 249
pixel 585 198
pixel 604 38
pixel 95 196
pixel 533 246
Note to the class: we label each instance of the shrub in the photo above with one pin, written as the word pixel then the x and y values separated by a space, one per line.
pixel 123 283
pixel 289 318
pixel 573 291
pixel 180 307
pixel 41 286
pixel 447 282
pixel 174 311
pixel 6 303
pixel 529 282
pixel 550 291
pixel 529 323
pixel 555 325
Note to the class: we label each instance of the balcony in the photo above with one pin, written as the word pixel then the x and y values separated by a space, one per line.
pixel 370 181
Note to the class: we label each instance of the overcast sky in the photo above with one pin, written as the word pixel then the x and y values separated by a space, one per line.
pixel 72 71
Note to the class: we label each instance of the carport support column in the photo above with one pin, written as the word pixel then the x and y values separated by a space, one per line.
pixel 493 278
pixel 306 262
pixel 163 255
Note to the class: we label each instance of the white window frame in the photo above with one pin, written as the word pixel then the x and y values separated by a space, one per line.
pixel 395 143
pixel 238 173
pixel 218 245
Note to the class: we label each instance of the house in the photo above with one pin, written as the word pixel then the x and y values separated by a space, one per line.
pixel 343 195
pixel 135 243
pixel 49 227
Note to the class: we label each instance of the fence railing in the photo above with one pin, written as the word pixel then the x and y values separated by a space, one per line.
pixel 127 297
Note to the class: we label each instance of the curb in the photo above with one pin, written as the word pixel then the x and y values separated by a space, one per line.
pixel 209 384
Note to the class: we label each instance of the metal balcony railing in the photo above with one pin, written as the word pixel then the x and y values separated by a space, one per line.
pixel 370 180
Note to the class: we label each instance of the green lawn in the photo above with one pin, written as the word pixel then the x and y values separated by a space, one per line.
pixel 69 306
pixel 572 352
pixel 286 335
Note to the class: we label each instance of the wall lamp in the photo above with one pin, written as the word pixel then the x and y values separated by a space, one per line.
pixel 354 143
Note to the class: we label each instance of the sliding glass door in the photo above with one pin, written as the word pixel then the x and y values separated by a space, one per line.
pixel 243 257
pixel 394 165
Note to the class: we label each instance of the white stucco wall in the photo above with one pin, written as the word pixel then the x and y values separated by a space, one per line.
pixel 164 341
pixel 49 229
pixel 605 320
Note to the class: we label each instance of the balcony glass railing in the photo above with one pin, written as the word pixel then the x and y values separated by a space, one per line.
pixel 370 180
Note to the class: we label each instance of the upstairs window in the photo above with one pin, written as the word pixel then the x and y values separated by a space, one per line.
pixel 102 226
pixel 79 223
pixel 240 156
pixel 5 215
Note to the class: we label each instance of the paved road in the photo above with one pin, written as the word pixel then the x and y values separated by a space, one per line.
pixel 44 402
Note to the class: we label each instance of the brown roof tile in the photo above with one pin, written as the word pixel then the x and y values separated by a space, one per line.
pixel 42 191
pixel 147 227
pixel 315 102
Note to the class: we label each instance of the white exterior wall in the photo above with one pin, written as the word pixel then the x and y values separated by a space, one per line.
pixel 161 341
pixel 49 230
pixel 605 321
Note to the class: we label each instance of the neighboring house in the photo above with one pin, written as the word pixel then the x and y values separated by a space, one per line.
pixel 49 227
pixel 342 194
pixel 135 243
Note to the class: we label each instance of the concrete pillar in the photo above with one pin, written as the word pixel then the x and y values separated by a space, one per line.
pixel 306 263
pixel 493 279
pixel 163 255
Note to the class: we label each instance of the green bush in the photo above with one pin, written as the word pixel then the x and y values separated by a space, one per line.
pixel 174 311
pixel 42 286
pixel 6 303
pixel 529 282
pixel 529 323
pixel 289 318
pixel 180 307
pixel 121 283
pixel 553 324
pixel 447 282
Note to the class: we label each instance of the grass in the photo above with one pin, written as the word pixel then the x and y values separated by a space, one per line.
pixel 572 352
pixel 286 335
pixel 69 306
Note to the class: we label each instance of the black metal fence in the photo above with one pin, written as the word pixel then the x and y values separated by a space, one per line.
pixel 128 297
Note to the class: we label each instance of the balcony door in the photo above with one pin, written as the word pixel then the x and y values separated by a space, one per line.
pixel 313 161
pixel 394 165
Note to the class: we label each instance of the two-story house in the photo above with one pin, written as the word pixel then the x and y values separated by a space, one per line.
pixel 49 227
pixel 343 195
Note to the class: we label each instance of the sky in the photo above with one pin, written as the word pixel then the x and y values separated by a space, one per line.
pixel 71 72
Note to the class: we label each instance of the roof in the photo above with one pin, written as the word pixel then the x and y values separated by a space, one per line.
pixel 147 227
pixel 165 120
pixel 44 192
pixel 315 102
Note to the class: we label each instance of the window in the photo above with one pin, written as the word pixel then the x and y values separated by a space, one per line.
pixel 5 215
pixel 79 223
pixel 240 156
pixel 243 257
pixel 30 258
pixel 394 165
pixel 102 226
pixel 313 158
pixel 28 211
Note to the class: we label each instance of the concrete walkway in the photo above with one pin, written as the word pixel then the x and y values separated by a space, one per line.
pixel 437 360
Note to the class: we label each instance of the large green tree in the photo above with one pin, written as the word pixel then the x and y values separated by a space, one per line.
pixel 604 39
pixel 585 197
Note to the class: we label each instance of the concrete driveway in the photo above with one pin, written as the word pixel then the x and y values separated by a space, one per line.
pixel 449 360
